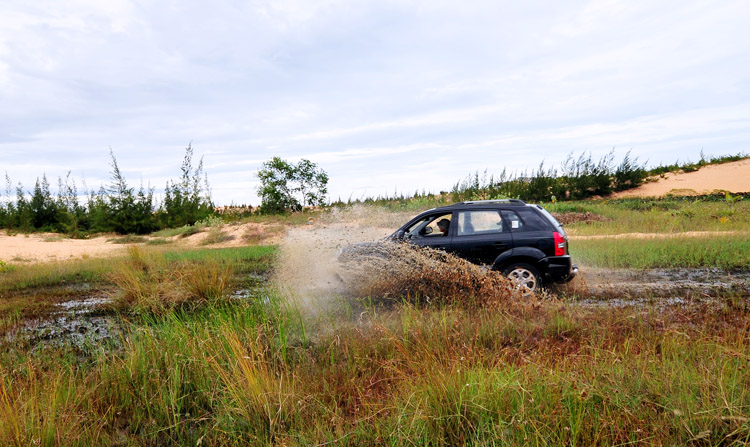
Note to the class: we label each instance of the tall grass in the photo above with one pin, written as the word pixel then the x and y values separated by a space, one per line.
pixel 148 283
pixel 407 376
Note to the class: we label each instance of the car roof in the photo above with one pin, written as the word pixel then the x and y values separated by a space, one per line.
pixel 480 204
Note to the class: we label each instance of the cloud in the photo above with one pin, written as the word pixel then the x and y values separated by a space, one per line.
pixel 383 94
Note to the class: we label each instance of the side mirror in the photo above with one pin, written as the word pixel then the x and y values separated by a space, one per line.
pixel 400 234
pixel 427 230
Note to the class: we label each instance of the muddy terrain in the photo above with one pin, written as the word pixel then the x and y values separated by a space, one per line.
pixel 308 272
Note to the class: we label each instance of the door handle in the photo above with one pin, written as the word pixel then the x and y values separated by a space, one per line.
pixel 500 245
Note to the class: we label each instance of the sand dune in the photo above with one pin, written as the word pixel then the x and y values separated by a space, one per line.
pixel 733 177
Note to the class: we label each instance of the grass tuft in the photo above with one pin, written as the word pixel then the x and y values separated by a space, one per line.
pixel 150 284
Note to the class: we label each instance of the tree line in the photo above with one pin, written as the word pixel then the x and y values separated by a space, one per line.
pixel 115 207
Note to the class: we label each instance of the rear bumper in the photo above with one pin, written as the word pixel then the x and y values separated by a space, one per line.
pixel 560 269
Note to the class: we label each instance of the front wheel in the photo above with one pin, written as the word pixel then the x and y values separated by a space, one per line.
pixel 524 277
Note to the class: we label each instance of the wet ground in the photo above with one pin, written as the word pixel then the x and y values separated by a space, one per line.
pixel 86 321
pixel 679 282
pixel 78 322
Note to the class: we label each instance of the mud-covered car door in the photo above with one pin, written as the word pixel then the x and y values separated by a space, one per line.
pixel 433 230
pixel 481 236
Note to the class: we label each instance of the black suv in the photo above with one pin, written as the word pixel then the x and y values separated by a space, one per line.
pixel 521 240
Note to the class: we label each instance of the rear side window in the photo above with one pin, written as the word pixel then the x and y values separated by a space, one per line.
pixel 528 220
pixel 479 222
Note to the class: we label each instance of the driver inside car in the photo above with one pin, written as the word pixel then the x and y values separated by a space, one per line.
pixel 444 225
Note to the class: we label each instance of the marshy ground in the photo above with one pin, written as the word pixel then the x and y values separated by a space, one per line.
pixel 265 345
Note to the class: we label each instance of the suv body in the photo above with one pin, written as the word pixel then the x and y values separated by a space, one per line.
pixel 523 241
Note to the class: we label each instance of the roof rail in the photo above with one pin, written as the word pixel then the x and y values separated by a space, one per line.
pixel 486 202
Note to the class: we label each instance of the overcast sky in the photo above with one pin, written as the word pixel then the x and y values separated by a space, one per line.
pixel 384 95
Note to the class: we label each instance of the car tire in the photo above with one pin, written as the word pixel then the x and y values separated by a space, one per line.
pixel 524 278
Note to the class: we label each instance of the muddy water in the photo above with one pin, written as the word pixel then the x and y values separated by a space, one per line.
pixel 77 322
pixel 659 288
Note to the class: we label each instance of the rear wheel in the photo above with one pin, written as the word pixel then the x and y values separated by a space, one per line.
pixel 524 277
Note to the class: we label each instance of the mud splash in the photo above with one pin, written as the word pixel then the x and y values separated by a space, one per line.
pixel 397 271
pixel 308 272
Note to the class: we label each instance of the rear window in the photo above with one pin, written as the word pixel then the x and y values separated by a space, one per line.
pixel 552 220
pixel 533 221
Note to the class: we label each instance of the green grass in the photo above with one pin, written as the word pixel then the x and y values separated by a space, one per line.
pixel 657 215
pixel 249 373
pixel 19 276
pixel 232 254
pixel 725 251
pixel 184 231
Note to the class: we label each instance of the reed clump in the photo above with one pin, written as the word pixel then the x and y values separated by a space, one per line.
pixel 149 283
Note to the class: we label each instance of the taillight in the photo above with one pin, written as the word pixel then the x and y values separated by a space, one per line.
pixel 559 244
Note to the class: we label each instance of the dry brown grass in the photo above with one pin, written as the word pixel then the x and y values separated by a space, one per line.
pixel 149 283
pixel 255 234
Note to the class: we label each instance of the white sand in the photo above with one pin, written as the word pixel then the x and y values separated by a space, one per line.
pixel 733 177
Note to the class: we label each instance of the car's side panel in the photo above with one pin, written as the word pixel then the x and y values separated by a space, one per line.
pixel 481 248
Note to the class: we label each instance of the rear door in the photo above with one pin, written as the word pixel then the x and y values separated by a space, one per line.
pixel 481 235
pixel 530 229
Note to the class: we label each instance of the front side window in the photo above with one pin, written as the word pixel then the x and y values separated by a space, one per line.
pixel 479 222
pixel 431 226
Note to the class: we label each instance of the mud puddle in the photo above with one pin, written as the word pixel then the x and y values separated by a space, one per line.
pixel 657 287
pixel 78 322
pixel 87 320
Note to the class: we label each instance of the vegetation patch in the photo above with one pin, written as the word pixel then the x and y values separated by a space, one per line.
pixel 158 241
pixel 216 235
pixel 667 215
pixel 721 251
pixel 569 217
pixel 128 239
pixel 255 372
pixel 148 283
pixel 257 234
